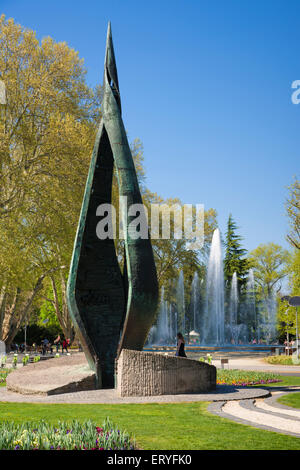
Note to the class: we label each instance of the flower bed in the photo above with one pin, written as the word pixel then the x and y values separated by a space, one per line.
pixel 64 436
pixel 244 378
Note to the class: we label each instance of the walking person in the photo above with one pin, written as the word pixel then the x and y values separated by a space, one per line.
pixel 180 346
pixel 57 343
pixel 64 346
pixel 45 343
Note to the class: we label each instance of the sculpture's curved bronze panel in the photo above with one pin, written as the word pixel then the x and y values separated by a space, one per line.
pixel 103 303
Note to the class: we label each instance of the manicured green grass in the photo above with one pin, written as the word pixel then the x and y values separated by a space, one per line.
pixel 177 426
pixel 292 399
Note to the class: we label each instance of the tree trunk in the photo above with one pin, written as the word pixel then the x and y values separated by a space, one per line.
pixel 14 320
pixel 63 313
pixel 2 307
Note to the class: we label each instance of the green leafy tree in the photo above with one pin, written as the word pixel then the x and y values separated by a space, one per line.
pixel 293 212
pixel 235 256
pixel 270 265
pixel 294 273
pixel 47 130
pixel 46 133
pixel 286 313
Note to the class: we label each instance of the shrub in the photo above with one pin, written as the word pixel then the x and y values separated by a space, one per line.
pixel 3 374
pixel 36 333
pixel 284 360
pixel 25 359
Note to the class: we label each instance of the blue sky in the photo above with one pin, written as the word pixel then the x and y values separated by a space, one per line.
pixel 206 86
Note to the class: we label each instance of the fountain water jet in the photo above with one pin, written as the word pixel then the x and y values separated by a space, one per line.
pixel 2 350
pixel 234 300
pixel 250 307
pixel 214 312
pixel 195 301
pixel 233 328
pixel 180 302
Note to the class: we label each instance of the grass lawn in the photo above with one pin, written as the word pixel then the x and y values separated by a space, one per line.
pixel 292 399
pixel 176 426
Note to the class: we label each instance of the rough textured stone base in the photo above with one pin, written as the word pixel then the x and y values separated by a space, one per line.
pixel 145 374
pixel 60 375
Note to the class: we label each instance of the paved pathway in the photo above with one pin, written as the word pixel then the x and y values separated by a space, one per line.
pixel 109 396
pixel 264 413
pixel 258 364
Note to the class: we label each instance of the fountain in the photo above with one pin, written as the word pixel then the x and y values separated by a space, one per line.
pixel 234 300
pixel 250 307
pixel 195 301
pixel 2 351
pixel 207 318
pixel 180 303
pixel 234 329
pixel 213 325
pixel 163 327
pixel 268 317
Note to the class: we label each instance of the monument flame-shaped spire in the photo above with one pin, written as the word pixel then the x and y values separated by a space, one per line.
pixel 103 302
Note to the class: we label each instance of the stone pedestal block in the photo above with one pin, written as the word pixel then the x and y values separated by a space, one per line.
pixel 145 373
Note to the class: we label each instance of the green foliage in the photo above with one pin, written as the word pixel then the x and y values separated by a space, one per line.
pixel 284 360
pixel 46 138
pixel 235 260
pixel 47 315
pixel 25 359
pixel 207 359
pixel 293 212
pixel 3 374
pixel 270 265
pixel 36 333
pixel 294 272
pixel 292 399
pixel 63 436
pixel 189 425
pixel 286 320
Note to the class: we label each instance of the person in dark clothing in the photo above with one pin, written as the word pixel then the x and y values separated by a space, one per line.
pixel 180 346
pixel 57 342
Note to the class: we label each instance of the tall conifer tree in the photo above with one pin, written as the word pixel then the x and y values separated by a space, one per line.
pixel 235 256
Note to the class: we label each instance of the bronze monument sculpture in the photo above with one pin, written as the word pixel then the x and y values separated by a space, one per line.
pixel 110 309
